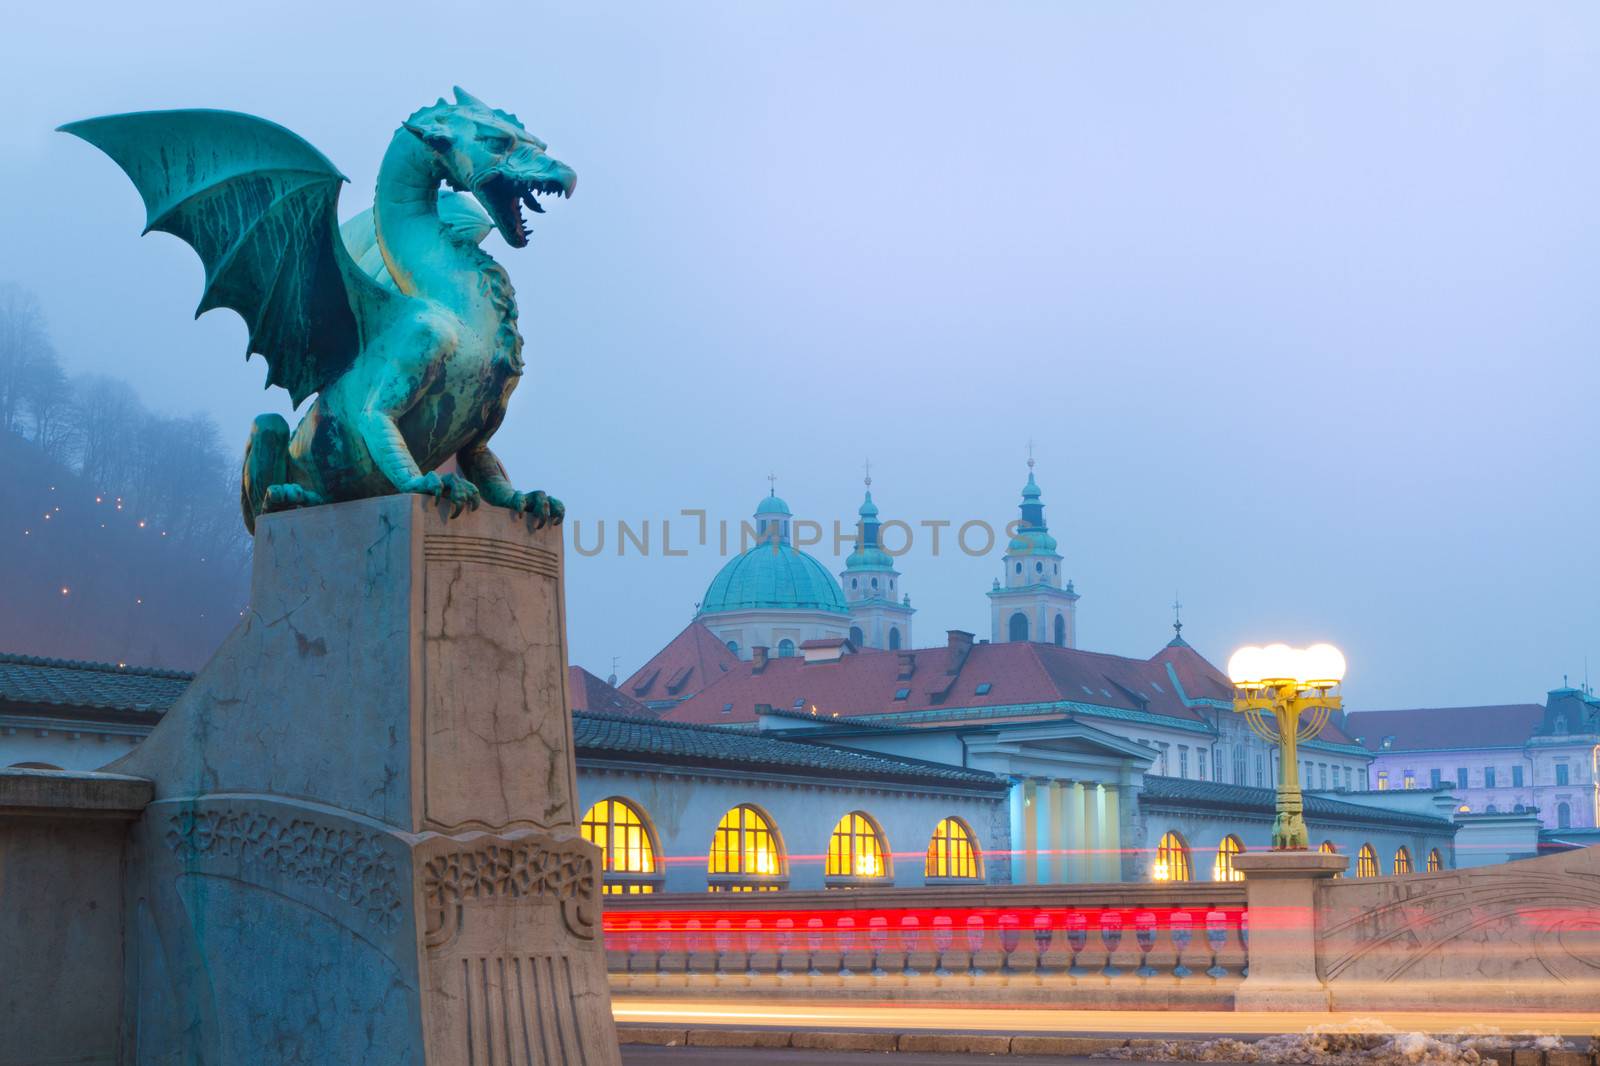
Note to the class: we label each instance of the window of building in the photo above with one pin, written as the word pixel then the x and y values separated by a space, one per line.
pixel 1327 848
pixel 902 693
pixel 1322 774
pixel 1172 859
pixel 1461 777
pixel 1366 862
pixel 952 853
pixel 1435 777
pixel 1018 626
pixel 1491 809
pixel 1402 860
pixel 1383 780
pixel 1561 773
pixel 1061 631
pixel 1161 759
pixel 746 854
pixel 1222 869
pixel 856 849
pixel 1200 762
pixel 894 638
pixel 1516 776
pixel 1488 777
pixel 785 648
pixel 1563 816
pixel 733 646
pixel 1239 757
pixel 1349 776
pixel 627 853
pixel 1435 861
pixel 982 689
pixel 1410 780
pixel 857 638
pixel 1183 760
pixel 1261 770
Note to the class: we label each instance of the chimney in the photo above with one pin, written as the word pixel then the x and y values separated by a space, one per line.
pixel 758 658
pixel 960 644
pixel 908 664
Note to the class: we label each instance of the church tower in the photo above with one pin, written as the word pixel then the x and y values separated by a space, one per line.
pixel 880 612
pixel 1031 603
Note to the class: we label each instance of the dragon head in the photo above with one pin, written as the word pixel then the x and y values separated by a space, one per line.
pixel 488 153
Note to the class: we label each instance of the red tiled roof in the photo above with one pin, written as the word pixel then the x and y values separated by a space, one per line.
pixel 692 660
pixel 588 693
pixel 1424 728
pixel 1016 673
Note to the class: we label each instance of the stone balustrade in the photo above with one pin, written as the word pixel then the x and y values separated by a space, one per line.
pixel 1077 945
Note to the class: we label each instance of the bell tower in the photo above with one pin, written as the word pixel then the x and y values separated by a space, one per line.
pixel 1030 602
pixel 880 611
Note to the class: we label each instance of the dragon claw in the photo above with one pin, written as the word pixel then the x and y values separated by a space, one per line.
pixel 544 509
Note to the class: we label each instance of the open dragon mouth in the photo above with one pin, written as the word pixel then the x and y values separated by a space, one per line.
pixel 504 197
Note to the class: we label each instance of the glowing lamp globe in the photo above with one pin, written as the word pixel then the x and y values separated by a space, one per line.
pixel 1319 666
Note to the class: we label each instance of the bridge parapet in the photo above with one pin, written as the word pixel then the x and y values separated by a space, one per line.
pixel 1072 945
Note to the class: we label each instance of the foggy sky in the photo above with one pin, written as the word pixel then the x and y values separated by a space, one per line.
pixel 1297 305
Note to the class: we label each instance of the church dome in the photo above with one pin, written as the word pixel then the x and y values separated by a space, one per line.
pixel 772 576
pixel 773 504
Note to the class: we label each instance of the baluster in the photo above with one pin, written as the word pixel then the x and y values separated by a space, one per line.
pixel 1217 937
pixel 1077 940
pixel 878 939
pixel 910 929
pixel 752 944
pixel 785 938
pixel 813 945
pixel 944 935
pixel 1144 933
pixel 722 941
pixel 1010 938
pixel 634 942
pixel 1182 932
pixel 975 938
pixel 1043 933
pixel 664 945
pixel 846 927
pixel 692 943
pixel 1111 938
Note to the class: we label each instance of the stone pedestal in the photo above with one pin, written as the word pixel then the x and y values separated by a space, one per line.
pixel 1280 889
pixel 363 845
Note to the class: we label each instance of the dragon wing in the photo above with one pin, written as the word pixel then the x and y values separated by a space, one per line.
pixel 259 205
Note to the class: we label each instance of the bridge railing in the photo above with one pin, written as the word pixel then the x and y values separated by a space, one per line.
pixel 1189 936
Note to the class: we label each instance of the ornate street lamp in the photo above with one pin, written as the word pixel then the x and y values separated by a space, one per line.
pixel 1286 683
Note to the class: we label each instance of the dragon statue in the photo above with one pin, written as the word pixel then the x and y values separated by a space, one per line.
pixel 401 325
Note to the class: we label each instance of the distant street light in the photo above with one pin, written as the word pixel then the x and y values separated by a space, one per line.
pixel 1287 682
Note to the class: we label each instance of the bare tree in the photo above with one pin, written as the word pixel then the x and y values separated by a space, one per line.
pixel 24 344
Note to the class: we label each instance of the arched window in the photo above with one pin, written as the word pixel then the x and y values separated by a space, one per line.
pixel 627 850
pixel 857 638
pixel 746 854
pixel 733 646
pixel 952 853
pixel 894 638
pixel 1491 809
pixel 1172 859
pixel 1061 631
pixel 1563 816
pixel 1019 568
pixel 1327 848
pixel 785 648
pixel 1366 862
pixel 1435 861
pixel 1222 869
pixel 856 850
pixel 1018 627
pixel 1402 860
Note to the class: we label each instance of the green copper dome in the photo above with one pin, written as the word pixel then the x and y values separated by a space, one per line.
pixel 772 505
pixel 772 576
pixel 868 553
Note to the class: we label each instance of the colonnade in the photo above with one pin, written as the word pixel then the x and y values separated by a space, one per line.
pixel 1065 832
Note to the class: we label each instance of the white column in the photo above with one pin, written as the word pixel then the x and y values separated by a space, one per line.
pixel 1111 834
pixel 1019 843
pixel 1094 830
pixel 1076 839
pixel 1050 836
pixel 1030 832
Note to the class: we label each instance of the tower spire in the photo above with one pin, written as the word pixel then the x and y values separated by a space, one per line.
pixel 1177 624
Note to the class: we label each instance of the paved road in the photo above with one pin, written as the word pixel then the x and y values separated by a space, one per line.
pixel 634 1055
pixel 908 1017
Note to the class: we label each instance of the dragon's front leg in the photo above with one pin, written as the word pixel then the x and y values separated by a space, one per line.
pixel 485 468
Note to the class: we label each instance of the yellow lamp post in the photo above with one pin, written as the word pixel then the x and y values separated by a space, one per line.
pixel 1286 683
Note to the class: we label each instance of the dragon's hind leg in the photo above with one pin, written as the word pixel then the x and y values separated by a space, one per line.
pixel 265 486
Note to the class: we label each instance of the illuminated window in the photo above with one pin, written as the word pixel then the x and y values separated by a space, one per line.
pixel 745 854
pixel 1410 780
pixel 1402 861
pixel 1435 862
pixel 1383 780
pixel 856 849
pixel 951 852
pixel 1222 869
pixel 627 856
pixel 1327 848
pixel 1366 862
pixel 1172 859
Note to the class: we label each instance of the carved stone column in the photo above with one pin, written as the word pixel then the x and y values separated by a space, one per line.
pixel 363 847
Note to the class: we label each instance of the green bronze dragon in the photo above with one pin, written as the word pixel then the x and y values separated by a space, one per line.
pixel 413 350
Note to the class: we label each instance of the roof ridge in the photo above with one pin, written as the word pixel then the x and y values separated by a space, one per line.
pixel 99 667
